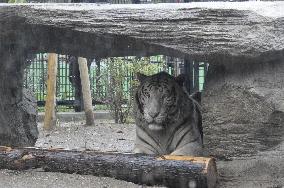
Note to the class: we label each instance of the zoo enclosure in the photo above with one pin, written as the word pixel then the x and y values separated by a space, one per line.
pixel 36 72
pixel 100 75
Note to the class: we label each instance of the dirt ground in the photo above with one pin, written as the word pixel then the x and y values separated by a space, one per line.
pixel 104 136
pixel 263 170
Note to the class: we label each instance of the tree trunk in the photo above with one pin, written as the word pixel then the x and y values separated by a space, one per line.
pixel 50 117
pixel 171 171
pixel 18 126
pixel 85 82
pixel 75 80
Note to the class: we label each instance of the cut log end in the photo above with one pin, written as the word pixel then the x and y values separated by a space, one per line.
pixel 209 171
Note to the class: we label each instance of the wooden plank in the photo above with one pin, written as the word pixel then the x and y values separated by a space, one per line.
pixel 50 117
pixel 86 90
pixel 170 171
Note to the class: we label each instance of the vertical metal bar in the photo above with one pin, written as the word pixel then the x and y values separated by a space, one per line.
pixel 196 76
pixel 44 65
pixel 33 76
pixel 65 78
pixel 41 92
pixel 188 71
pixel 42 77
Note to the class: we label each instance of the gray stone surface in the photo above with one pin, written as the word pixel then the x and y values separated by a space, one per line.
pixel 246 36
pixel 243 42
pixel 243 108
pixel 18 125
pixel 238 32
pixel 244 123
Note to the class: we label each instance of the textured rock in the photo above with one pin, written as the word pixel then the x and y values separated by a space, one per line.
pixel 243 42
pixel 216 34
pixel 18 113
pixel 244 109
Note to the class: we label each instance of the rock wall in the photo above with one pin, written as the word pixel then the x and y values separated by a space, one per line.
pixel 18 112
pixel 243 42
pixel 243 108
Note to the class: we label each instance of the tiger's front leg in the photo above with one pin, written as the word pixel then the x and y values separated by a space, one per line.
pixel 142 149
pixel 144 143
pixel 190 149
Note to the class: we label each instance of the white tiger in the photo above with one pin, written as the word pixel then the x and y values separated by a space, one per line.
pixel 168 120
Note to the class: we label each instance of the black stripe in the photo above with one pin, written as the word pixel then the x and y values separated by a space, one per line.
pixel 183 137
pixel 177 128
pixel 143 140
pixel 156 142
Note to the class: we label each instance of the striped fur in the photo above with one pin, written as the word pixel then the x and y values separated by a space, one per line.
pixel 168 120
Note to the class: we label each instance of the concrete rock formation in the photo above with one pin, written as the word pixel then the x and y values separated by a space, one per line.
pixel 243 42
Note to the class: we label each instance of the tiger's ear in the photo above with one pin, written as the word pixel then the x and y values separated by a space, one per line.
pixel 180 79
pixel 141 76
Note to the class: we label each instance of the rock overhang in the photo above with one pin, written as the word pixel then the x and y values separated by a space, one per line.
pixel 213 32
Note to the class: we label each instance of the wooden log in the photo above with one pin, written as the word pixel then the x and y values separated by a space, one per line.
pixel 171 171
pixel 87 98
pixel 50 118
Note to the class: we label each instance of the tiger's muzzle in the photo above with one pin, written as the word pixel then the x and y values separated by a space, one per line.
pixel 155 122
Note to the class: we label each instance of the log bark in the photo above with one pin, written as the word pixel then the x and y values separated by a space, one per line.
pixel 171 171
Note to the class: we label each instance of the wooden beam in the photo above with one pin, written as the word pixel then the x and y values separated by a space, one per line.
pixel 50 117
pixel 86 90
pixel 170 171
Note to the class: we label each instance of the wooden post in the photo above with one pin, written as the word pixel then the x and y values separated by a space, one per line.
pixel 75 80
pixel 49 117
pixel 87 98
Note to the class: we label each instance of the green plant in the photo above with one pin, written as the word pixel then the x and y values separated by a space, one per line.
pixel 120 91
pixel 17 1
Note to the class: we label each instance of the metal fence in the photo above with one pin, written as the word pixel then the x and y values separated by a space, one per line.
pixel 36 75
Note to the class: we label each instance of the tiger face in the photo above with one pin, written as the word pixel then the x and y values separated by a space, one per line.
pixel 157 99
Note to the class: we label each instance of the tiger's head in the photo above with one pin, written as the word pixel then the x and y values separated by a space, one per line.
pixel 157 99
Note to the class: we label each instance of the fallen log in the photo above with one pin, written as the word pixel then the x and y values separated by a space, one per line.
pixel 171 171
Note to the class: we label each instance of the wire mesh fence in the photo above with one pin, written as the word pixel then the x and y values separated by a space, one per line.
pixel 100 76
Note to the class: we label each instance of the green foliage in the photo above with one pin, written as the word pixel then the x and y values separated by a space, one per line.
pixel 17 1
pixel 115 83
pixel 121 84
